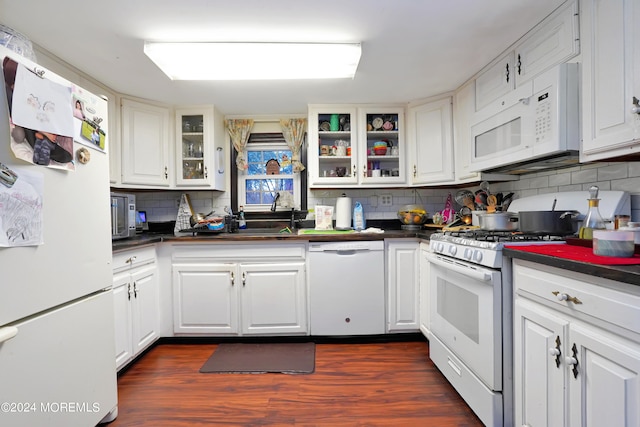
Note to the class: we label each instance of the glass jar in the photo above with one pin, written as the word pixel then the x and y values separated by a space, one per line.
pixel 593 220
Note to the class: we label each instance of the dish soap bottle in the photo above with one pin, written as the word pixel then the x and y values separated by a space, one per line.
pixel 593 220
pixel 242 223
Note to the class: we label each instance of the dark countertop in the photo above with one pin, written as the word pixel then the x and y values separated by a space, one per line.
pixel 151 238
pixel 621 273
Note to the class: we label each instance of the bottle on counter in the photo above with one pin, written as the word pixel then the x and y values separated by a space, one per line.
pixel 242 222
pixel 593 220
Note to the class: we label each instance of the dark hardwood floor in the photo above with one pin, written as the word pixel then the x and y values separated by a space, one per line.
pixel 370 384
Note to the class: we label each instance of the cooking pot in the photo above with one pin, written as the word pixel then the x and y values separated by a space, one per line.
pixel 559 223
pixel 498 221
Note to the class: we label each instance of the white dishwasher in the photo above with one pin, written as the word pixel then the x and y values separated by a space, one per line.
pixel 346 288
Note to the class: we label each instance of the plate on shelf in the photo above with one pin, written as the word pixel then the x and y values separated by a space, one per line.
pixel 325 126
pixel 377 123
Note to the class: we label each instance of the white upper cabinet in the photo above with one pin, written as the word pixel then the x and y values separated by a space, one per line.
pixel 551 42
pixel 199 148
pixel 611 78
pixel 145 144
pixel 463 109
pixel 430 138
pixel 345 146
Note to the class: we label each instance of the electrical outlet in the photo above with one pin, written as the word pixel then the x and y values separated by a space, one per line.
pixel 373 201
pixel 386 200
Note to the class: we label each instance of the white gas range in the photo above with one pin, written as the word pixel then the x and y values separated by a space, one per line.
pixel 471 303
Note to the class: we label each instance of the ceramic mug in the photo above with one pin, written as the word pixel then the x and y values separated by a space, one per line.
pixel 340 150
pixel 324 150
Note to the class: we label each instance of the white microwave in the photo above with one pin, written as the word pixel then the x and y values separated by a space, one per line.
pixel 539 118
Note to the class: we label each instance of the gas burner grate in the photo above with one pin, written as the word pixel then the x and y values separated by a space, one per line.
pixel 503 236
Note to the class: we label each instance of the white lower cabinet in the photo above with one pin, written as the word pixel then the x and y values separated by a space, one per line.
pixel 218 293
pixel 403 271
pixel 425 291
pixel 136 303
pixel 576 349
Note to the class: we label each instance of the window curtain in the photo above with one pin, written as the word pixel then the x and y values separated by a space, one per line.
pixel 293 131
pixel 239 131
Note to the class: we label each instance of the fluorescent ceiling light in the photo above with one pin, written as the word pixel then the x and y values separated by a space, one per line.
pixel 255 61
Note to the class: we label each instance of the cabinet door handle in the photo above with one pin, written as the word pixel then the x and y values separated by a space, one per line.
pixel 364 171
pixel 129 291
pixel 566 297
pixel 135 290
pixel 415 171
pixel 244 279
pixel 519 64
pixel 7 333
pixel 555 351
pixel 573 360
pixel 507 73
pixel 233 279
pixel 166 173
pixel 355 168
pixel 206 172
pixel 220 160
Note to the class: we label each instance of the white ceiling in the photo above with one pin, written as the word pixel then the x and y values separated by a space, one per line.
pixel 411 49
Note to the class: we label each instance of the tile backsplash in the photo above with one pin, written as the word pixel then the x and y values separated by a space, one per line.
pixel 163 205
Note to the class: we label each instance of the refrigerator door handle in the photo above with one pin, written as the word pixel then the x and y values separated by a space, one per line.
pixel 7 333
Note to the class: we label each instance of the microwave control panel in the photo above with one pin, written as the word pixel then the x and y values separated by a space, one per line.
pixel 543 118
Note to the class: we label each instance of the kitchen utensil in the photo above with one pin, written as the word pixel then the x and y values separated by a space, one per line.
pixel 465 198
pixel 481 199
pixel 506 201
pixel 498 221
pixel 492 201
pixel 484 186
pixel 556 223
pixel 199 217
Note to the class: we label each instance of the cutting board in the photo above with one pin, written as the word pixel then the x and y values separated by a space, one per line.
pixel 314 231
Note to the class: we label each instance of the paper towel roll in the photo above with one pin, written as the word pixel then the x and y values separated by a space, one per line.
pixel 343 213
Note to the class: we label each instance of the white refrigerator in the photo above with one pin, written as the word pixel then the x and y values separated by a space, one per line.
pixel 57 353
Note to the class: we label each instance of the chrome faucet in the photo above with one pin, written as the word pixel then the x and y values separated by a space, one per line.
pixel 275 200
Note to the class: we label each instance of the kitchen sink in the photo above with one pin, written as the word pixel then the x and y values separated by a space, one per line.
pixel 265 231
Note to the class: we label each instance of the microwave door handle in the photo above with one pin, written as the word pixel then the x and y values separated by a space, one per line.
pixel 114 216
pixel 474 274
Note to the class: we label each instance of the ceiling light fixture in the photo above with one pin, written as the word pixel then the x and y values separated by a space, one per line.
pixel 254 61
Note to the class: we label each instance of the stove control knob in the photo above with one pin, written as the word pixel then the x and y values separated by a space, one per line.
pixel 477 256
pixel 440 247
pixel 468 254
pixel 453 250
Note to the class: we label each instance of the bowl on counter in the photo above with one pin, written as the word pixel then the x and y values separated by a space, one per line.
pixel 412 215
pixel 613 243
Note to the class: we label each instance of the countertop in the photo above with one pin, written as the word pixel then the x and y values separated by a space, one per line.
pixel 621 273
pixel 151 238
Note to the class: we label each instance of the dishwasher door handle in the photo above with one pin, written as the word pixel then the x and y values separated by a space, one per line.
pixel 346 251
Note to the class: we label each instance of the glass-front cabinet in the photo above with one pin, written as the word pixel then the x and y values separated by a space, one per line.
pixel 199 139
pixel 353 146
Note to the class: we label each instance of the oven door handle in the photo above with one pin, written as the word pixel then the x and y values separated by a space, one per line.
pixel 458 268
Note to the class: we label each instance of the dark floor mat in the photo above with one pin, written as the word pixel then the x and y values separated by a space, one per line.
pixel 288 358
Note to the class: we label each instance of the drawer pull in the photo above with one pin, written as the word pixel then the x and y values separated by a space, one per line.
pixel 130 260
pixel 566 297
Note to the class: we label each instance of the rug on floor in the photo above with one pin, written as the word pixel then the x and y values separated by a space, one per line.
pixel 241 358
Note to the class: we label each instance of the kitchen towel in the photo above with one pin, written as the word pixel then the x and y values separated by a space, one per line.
pixel 260 358
pixel 575 253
